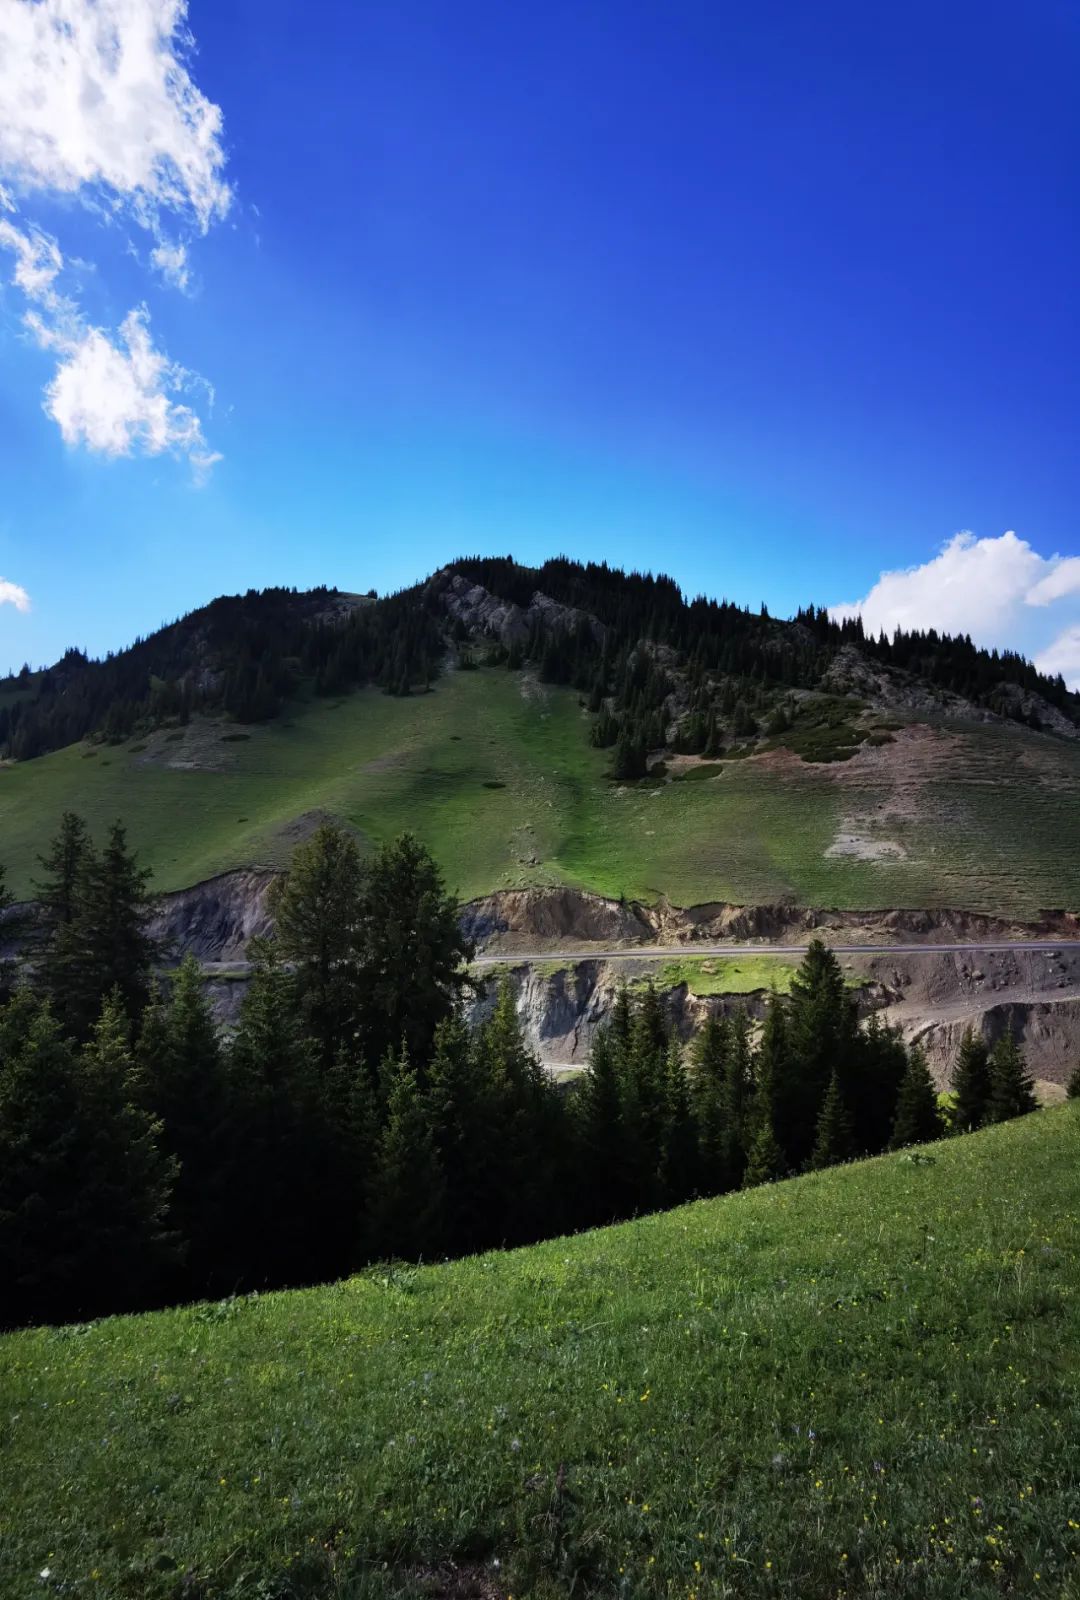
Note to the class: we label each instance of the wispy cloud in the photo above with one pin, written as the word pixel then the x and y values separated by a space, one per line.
pixel 12 594
pixel 1000 591
pixel 97 101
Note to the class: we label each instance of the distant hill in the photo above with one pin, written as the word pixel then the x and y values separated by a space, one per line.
pixel 565 724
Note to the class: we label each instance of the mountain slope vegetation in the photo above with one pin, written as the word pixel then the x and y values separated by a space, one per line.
pixel 567 724
pixel 862 1382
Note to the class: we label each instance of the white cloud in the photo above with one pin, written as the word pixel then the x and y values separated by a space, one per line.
pixel 1062 580
pixel 12 595
pixel 119 396
pixel 1063 656
pixel 1000 591
pixel 97 97
pixel 96 101
pixel 38 261
pixel 171 260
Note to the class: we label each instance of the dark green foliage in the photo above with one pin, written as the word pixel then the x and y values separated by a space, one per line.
pixel 821 1038
pixel 918 1119
pixel 1073 1086
pixel 678 1173
pixel 316 907
pixel 412 952
pixel 287 1229
pixel 182 1083
pixel 765 1161
pixel 84 1188
pixel 971 1083
pixel 835 1138
pixel 1012 1090
pixel 405 1193
pixel 96 936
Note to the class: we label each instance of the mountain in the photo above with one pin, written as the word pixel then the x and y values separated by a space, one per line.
pixel 564 724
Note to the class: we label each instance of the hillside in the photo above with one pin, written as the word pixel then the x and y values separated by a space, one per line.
pixel 862 1382
pixel 494 770
pixel 599 731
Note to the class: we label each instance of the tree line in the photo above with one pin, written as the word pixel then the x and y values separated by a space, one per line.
pixel 245 656
pixel 352 1115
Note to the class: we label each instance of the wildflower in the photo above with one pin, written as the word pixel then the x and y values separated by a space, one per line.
pixel 45 1574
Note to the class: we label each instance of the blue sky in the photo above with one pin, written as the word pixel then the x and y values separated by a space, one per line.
pixel 776 298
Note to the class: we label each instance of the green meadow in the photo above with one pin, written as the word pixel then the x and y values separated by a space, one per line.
pixel 864 1382
pixel 496 774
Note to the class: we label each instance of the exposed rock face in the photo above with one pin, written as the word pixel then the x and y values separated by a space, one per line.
pixel 215 920
pixel 889 689
pixel 514 920
pixel 482 612
pixel 540 916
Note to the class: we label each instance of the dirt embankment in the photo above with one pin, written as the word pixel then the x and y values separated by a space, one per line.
pixel 514 920
pixel 215 920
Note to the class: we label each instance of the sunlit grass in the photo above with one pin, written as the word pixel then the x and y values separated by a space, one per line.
pixel 862 1383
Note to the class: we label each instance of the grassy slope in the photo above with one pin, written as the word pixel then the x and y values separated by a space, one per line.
pixel 988 830
pixel 863 1382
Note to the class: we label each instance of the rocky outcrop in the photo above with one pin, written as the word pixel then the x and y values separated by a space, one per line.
pixel 544 916
pixel 215 920
pixel 512 625
pixel 533 920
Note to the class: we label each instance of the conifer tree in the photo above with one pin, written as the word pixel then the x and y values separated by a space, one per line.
pixel 870 1083
pixel 971 1083
pixel 709 1096
pixel 917 1119
pixel 413 953
pixel 406 1190
pixel 83 1187
pixel 127 1191
pixel 106 945
pixel 182 1084
pixel 57 893
pixel 679 1147
pixel 462 1121
pixel 765 1160
pixel 598 1109
pixel 822 1038
pixel 287 1230
pixel 1012 1089
pixel 316 907
pixel 1073 1086
pixel 834 1139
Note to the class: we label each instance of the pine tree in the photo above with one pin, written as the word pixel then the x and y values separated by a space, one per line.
pixel 83 1186
pixel 106 946
pixel 598 1112
pixel 709 1095
pixel 1073 1087
pixel 57 893
pixel 316 907
pixel 822 1037
pixel 182 1084
pixel 287 1230
pixel 1012 1089
pixel 678 1172
pixel 971 1083
pixel 127 1192
pixel 917 1119
pixel 413 953
pixel 834 1140
pixel 765 1161
pixel 406 1187
pixel 871 1084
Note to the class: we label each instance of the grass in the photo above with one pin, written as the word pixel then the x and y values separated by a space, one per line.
pixel 860 1383
pixel 984 827
pixel 705 975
